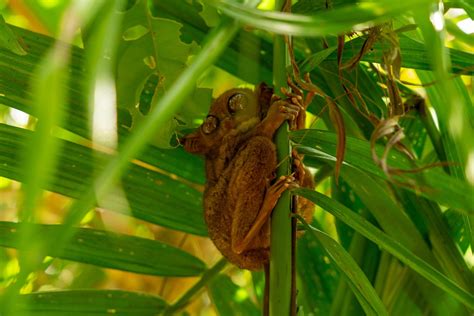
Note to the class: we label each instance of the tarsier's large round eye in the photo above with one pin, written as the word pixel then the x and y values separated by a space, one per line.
pixel 210 124
pixel 237 102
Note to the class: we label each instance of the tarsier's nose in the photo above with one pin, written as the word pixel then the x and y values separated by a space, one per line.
pixel 182 140
pixel 187 143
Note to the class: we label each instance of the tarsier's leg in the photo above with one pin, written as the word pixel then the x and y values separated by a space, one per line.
pixel 271 198
pixel 254 166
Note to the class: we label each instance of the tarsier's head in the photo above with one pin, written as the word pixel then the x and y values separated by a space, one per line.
pixel 231 110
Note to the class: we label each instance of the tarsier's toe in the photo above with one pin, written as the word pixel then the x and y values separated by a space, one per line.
pixel 282 184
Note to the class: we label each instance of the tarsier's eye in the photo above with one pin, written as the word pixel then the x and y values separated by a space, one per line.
pixel 210 124
pixel 237 102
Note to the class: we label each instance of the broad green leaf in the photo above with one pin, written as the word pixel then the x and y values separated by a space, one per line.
pixel 316 274
pixel 90 302
pixel 151 47
pixel 414 55
pixel 111 250
pixel 348 268
pixel 365 253
pixel 9 40
pixel 384 207
pixel 236 56
pixel 231 299
pixel 152 195
pixel 389 244
pixel 331 22
pixel 432 183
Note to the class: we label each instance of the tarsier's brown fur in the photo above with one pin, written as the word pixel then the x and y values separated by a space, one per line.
pixel 236 140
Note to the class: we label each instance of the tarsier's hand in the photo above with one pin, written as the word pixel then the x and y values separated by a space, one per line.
pixel 297 97
pixel 280 110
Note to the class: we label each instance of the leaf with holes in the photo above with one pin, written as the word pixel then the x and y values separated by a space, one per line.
pixel 150 57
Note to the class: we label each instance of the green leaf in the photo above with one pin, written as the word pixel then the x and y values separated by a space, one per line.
pixel 432 183
pixel 148 45
pixel 389 244
pixel 413 54
pixel 315 6
pixel 90 302
pixel 231 299
pixel 457 232
pixel 317 275
pixel 152 196
pixel 337 21
pixel 348 268
pixel 111 250
pixel 9 40
pixel 151 47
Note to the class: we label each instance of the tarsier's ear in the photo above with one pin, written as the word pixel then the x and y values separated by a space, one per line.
pixel 264 95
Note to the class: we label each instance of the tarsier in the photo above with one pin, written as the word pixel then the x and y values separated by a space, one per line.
pixel 236 141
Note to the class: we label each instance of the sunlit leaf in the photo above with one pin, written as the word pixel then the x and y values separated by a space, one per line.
pixel 332 22
pixel 90 302
pixel 111 250
pixel 9 40
pixel 152 47
pixel 152 196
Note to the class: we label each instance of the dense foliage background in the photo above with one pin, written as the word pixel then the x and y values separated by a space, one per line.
pixel 100 209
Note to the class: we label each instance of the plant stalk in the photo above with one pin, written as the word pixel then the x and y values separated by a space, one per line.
pixel 281 232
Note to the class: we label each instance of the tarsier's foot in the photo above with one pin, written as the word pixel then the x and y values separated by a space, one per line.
pixel 298 167
pixel 275 191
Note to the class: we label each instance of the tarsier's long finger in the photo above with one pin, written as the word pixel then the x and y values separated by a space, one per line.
pixel 301 120
pixel 275 98
pixel 295 98
pixel 282 184
pixel 293 87
pixel 291 112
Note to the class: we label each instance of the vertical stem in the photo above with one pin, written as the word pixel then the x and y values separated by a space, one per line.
pixel 280 254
